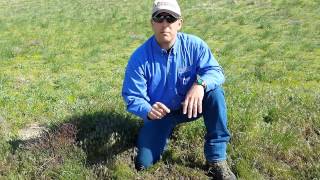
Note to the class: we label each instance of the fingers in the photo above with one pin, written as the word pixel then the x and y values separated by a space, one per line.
pixel 195 108
pixel 185 106
pixel 158 111
pixel 163 107
pixel 154 114
pixel 200 107
pixel 193 101
pixel 192 107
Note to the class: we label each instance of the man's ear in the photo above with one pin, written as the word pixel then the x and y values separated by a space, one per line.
pixel 180 24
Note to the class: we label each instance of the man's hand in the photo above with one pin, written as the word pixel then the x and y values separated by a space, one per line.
pixel 193 101
pixel 158 111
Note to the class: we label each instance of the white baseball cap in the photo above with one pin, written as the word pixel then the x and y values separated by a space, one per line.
pixel 168 6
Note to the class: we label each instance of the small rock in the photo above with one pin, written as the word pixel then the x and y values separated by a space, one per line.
pixel 16 51
pixel 35 42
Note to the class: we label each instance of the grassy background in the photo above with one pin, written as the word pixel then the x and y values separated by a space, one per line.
pixel 62 65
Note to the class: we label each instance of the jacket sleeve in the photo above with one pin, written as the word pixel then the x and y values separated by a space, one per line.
pixel 134 89
pixel 208 68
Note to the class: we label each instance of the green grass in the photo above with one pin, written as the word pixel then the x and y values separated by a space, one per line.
pixel 63 62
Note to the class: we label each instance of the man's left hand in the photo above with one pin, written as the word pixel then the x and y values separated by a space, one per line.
pixel 193 101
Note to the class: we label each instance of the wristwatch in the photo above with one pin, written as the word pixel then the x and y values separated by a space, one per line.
pixel 201 83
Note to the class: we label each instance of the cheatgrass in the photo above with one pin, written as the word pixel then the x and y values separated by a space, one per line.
pixel 62 64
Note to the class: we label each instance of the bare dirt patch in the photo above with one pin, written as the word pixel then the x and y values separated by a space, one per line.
pixel 32 131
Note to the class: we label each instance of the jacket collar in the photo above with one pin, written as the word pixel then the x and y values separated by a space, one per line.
pixel 174 48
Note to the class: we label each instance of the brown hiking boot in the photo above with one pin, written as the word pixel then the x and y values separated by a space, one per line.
pixel 220 171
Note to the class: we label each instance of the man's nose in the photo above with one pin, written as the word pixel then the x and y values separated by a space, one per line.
pixel 165 23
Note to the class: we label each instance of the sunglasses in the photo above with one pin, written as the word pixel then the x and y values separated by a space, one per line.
pixel 160 18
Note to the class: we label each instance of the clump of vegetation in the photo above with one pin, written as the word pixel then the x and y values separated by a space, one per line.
pixel 54 155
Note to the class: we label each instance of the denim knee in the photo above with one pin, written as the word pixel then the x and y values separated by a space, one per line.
pixel 215 94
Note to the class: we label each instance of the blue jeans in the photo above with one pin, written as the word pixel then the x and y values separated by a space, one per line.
pixel 153 135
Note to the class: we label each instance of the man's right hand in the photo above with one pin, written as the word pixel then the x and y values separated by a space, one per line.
pixel 158 111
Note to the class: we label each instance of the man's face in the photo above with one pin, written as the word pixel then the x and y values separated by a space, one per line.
pixel 165 28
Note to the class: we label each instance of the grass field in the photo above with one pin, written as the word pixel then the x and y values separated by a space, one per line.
pixel 62 64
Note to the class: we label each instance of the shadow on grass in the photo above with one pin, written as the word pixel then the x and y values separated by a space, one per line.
pixel 101 135
pixel 104 135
